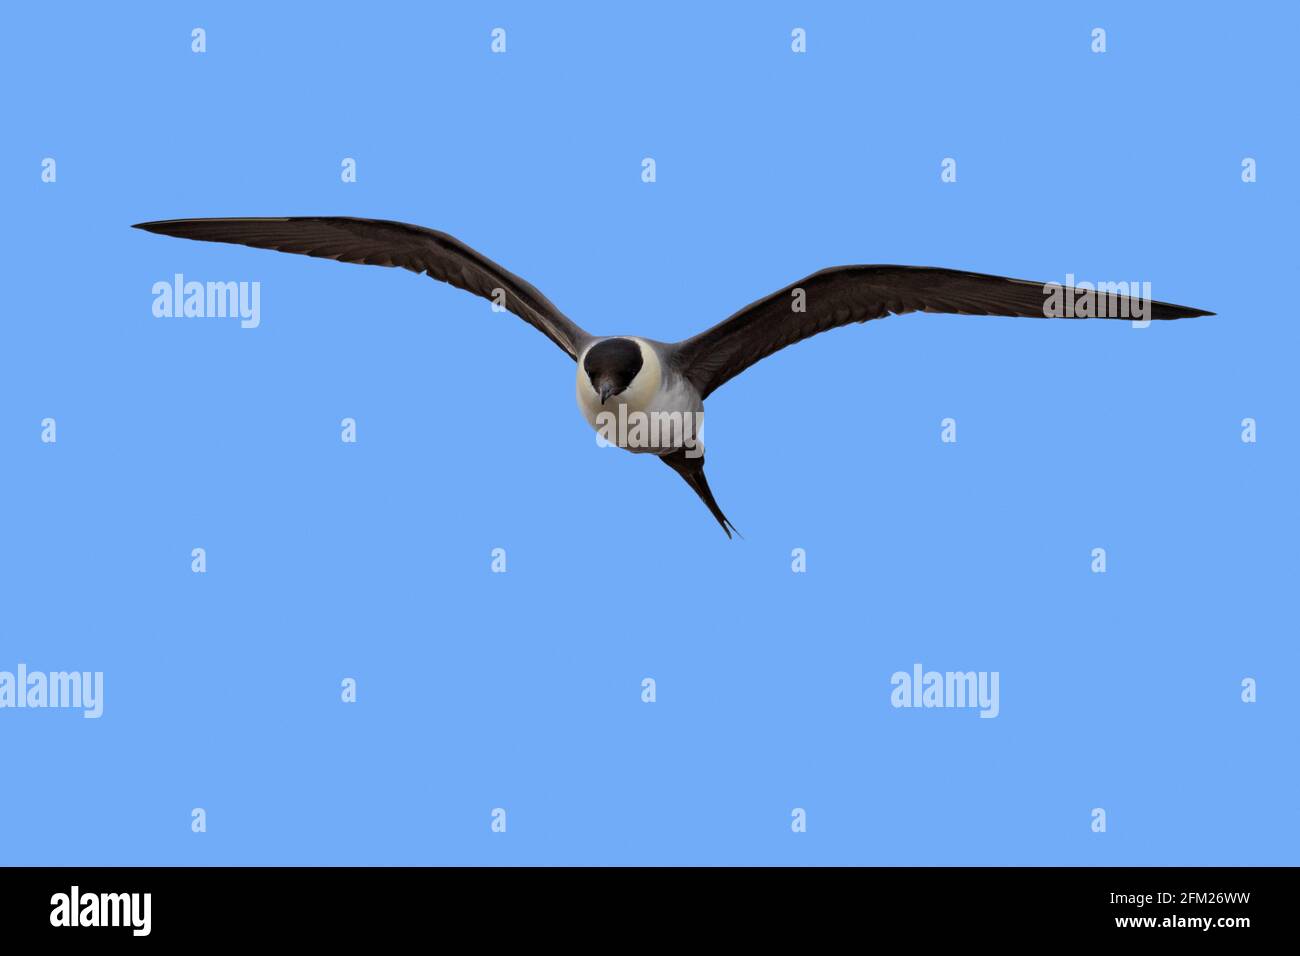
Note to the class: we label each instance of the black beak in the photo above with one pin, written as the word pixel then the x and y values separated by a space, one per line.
pixel 606 390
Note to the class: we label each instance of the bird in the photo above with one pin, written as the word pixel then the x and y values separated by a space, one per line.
pixel 644 395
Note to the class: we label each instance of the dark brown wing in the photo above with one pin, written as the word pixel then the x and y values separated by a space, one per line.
pixel 381 242
pixel 845 294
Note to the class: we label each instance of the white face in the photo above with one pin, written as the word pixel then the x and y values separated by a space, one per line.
pixel 637 397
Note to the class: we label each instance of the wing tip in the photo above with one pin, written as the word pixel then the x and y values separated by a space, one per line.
pixel 165 225
pixel 1172 310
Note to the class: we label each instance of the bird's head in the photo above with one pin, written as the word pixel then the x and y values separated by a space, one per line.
pixel 611 366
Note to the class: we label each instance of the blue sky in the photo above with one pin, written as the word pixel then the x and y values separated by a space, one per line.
pixel 523 691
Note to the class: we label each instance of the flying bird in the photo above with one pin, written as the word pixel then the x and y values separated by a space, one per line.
pixel 641 394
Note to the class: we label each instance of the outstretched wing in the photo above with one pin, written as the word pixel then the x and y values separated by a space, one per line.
pixel 381 242
pixel 845 294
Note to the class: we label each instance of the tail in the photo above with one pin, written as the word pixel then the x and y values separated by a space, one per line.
pixel 692 470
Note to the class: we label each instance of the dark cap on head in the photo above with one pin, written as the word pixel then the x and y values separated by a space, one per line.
pixel 611 365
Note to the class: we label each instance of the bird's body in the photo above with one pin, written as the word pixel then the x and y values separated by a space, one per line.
pixel 659 411
pixel 648 396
